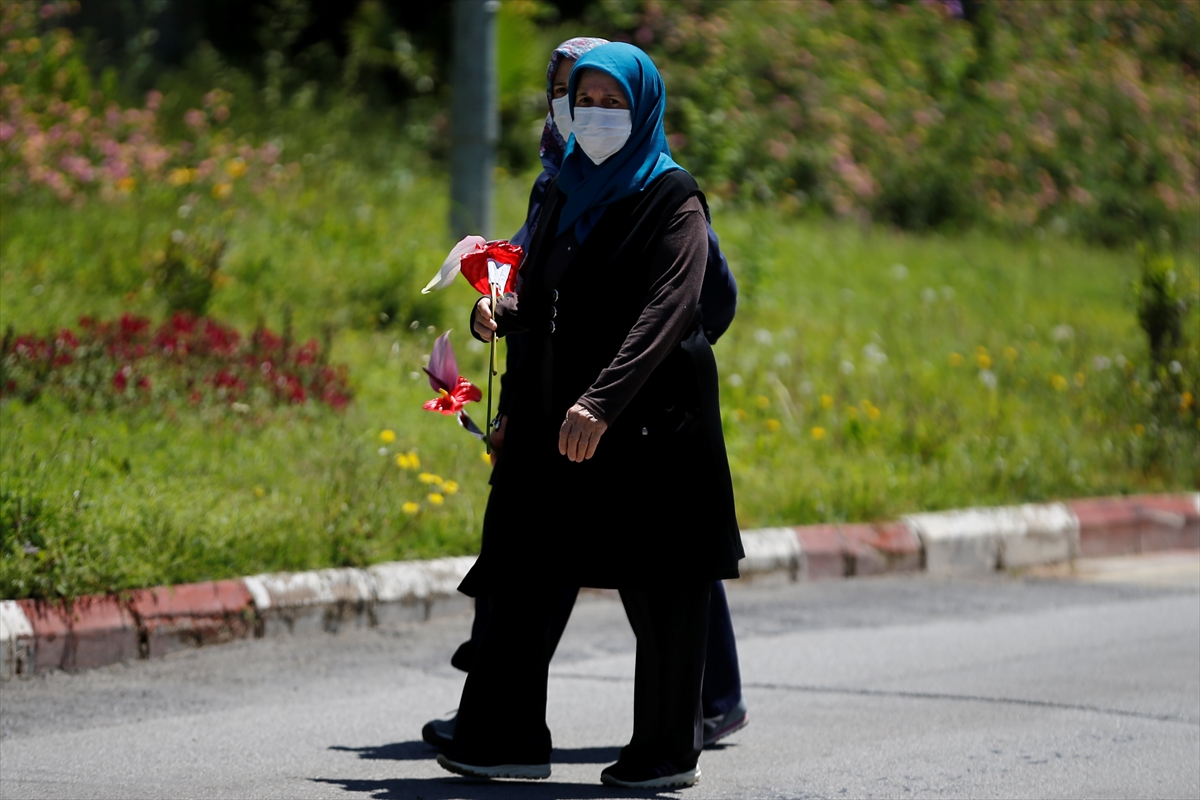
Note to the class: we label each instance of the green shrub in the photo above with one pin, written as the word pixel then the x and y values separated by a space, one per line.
pixel 1081 116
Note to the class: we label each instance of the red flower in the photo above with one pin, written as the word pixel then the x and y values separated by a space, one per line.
pixel 452 402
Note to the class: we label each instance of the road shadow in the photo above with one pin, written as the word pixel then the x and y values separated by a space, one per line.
pixel 418 750
pixel 449 788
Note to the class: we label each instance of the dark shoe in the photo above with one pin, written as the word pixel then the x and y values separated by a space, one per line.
pixel 663 775
pixel 717 728
pixel 439 732
pixel 535 772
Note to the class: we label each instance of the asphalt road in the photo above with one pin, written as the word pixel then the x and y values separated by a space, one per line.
pixel 1047 685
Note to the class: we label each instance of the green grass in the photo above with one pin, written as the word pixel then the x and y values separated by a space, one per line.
pixel 143 496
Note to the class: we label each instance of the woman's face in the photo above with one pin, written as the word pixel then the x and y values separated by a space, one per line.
pixel 562 74
pixel 596 89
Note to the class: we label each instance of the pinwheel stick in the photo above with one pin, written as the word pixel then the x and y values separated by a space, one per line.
pixel 491 372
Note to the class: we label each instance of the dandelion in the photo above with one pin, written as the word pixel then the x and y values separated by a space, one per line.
pixel 870 410
pixel 984 361
pixel 221 190
pixel 410 508
pixel 817 433
pixel 1139 430
pixel 1058 382
pixel 956 360
pixel 387 436
pixel 258 491
pixel 826 401
pixel 126 184
pixel 762 401
pixel 1186 400
pixel 413 461
pixel 450 487
pixel 773 426
pixel 487 458
pixel 740 414
pixel 436 499
pixel 429 477
pixel 1080 379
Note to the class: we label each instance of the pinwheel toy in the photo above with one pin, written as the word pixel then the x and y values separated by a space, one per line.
pixel 490 267
pixel 454 391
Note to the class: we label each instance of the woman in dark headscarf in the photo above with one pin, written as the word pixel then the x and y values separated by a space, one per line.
pixel 613 472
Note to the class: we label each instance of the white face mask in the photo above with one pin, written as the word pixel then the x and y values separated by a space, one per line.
pixel 560 107
pixel 601 132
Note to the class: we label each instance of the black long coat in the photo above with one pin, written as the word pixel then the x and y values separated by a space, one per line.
pixel 654 505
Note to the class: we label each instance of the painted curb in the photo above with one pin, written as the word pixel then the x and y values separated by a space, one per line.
pixel 99 630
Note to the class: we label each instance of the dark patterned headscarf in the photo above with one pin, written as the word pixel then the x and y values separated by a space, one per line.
pixel 553 146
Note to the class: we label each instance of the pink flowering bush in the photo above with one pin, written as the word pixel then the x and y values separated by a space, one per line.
pixel 186 360
pixel 61 134
pixel 1083 116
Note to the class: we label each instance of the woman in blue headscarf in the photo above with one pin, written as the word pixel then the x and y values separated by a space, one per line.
pixel 723 706
pixel 613 472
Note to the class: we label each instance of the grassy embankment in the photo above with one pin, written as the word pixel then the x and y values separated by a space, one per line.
pixel 869 373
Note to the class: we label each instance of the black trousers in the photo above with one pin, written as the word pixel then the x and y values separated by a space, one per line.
pixel 502 713
pixel 722 676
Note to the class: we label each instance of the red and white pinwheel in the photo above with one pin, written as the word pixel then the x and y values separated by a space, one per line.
pixel 484 264
pixel 454 391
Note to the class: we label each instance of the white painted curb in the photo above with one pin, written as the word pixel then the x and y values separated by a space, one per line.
pixel 419 590
pixel 772 550
pixel 16 640
pixel 324 598
pixel 981 540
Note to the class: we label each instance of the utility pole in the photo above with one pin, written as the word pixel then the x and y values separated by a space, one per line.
pixel 474 117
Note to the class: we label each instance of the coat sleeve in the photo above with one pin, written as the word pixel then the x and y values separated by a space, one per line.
pixel 676 276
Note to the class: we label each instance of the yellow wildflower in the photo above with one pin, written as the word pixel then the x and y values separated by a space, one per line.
pixel 429 477
pixel 740 414
pixel 1080 379
pixel 826 401
pixel 410 507
pixel 1186 400
pixel 487 459
pixel 402 461
pixel 126 184
pixel 1058 382
pixel 956 360
pixel 870 410
pixel 413 461
pixel 818 433
pixel 773 425
pixel 450 487
pixel 983 360
pixel 980 350
pixel 436 499
pixel 235 167
pixel 387 436
pixel 181 176
pixel 762 401
pixel 222 190
pixel 258 491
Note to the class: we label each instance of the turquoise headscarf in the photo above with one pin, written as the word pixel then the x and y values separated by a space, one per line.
pixel 645 156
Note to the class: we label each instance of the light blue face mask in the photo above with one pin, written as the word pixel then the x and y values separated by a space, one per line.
pixel 602 132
